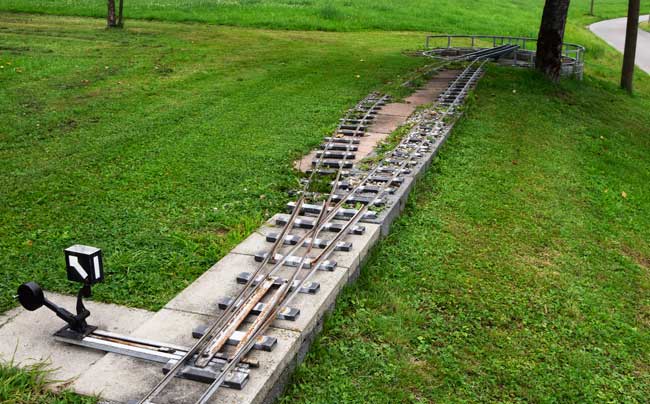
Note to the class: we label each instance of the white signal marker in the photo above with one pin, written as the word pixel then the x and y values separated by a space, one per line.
pixel 74 263
pixel 96 263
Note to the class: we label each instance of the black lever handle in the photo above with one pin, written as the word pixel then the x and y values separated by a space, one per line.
pixel 31 297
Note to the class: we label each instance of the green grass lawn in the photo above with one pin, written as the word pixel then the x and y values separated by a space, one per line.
pixel 165 144
pixel 145 142
pixel 519 272
pixel 30 385
pixel 515 17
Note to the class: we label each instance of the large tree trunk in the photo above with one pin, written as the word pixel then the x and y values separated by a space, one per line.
pixel 120 21
pixel 110 16
pixel 630 45
pixel 551 35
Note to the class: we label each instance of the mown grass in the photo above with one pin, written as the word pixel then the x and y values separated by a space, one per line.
pixel 520 271
pixel 518 274
pixel 518 17
pixel 645 26
pixel 30 385
pixel 165 144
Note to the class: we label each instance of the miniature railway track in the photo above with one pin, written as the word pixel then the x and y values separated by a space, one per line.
pixel 338 194
pixel 266 295
pixel 480 53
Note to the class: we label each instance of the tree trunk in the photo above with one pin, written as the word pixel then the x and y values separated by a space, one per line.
pixel 629 55
pixel 120 20
pixel 591 9
pixel 110 16
pixel 551 35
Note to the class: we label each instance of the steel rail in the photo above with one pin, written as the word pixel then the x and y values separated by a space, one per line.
pixel 344 231
pixel 205 359
pixel 266 321
pixel 247 291
pixel 263 322
pixel 572 54
pixel 242 296
pixel 326 214
pixel 223 320
pixel 322 219
pixel 567 47
pixel 490 52
pixel 365 117
pixel 331 247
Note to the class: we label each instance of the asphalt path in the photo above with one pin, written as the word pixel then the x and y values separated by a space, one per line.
pixel 613 32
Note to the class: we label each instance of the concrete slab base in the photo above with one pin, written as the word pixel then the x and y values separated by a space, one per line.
pixel 26 336
pixel 390 117
pixel 368 144
pixel 119 379
pixel 304 163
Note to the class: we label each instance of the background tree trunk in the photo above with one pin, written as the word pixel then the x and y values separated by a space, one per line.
pixel 120 21
pixel 629 55
pixel 549 40
pixel 110 16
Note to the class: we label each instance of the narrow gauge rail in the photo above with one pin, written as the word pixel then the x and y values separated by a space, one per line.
pixel 351 186
pixel 217 334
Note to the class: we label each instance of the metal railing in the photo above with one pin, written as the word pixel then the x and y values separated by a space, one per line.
pixel 573 54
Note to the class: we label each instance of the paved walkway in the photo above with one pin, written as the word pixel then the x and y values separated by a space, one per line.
pixel 613 32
